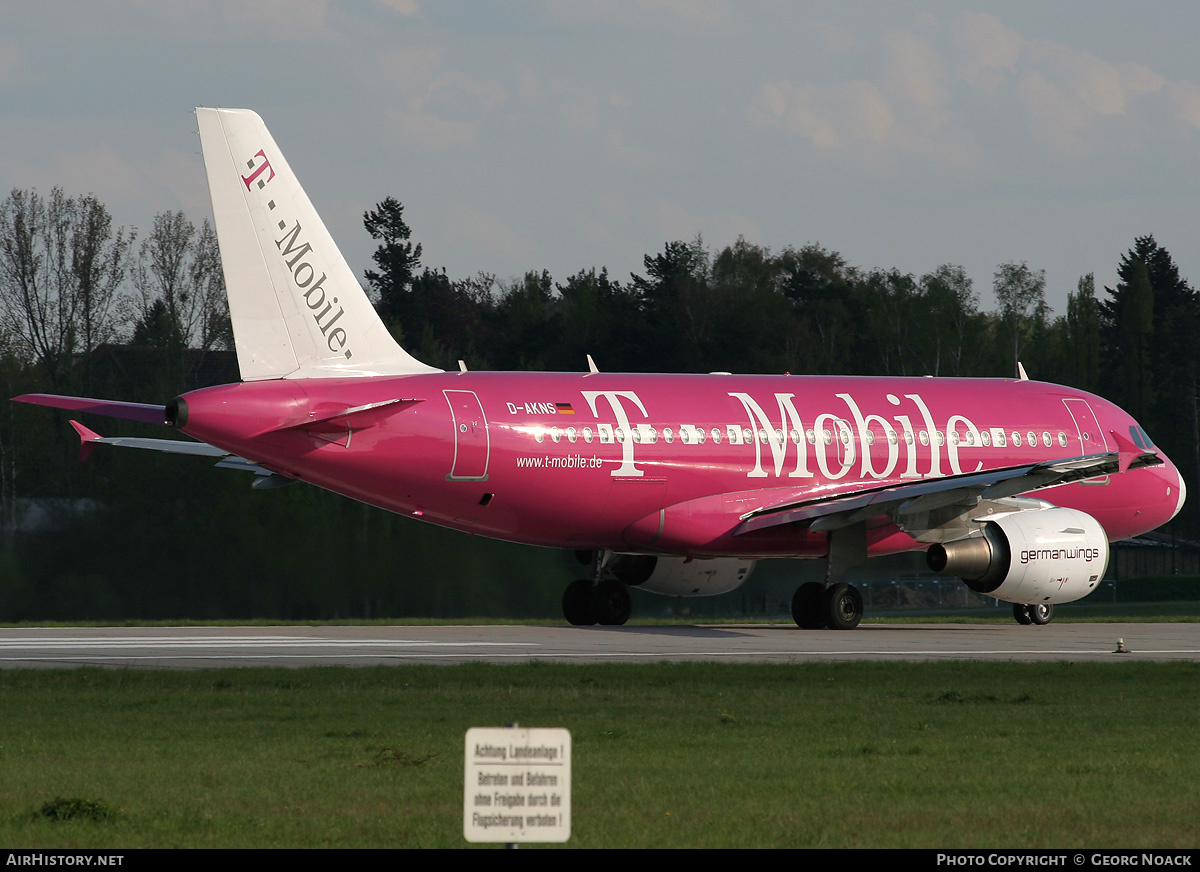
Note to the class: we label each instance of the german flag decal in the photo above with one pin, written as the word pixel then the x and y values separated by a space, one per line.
pixel 564 408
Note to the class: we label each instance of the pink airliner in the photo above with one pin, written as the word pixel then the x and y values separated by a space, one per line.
pixel 672 483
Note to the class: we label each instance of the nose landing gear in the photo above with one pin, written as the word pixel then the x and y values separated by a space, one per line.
pixel 1038 613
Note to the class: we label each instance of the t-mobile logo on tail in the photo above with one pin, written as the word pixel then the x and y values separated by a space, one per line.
pixel 265 165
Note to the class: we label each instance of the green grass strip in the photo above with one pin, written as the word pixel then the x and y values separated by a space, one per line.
pixel 952 755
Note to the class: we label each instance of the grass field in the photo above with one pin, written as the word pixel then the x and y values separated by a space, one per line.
pixel 960 754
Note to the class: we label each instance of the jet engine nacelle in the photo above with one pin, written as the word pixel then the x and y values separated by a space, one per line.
pixel 681 576
pixel 1038 556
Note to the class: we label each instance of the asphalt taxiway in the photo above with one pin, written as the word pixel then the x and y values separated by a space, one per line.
pixel 215 647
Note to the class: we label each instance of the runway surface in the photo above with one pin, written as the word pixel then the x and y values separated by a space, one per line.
pixel 215 647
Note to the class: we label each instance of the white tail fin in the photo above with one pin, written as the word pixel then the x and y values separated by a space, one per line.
pixel 297 309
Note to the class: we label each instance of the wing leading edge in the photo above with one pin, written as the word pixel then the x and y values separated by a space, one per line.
pixel 922 508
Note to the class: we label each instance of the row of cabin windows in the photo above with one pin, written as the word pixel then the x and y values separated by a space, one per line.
pixel 690 434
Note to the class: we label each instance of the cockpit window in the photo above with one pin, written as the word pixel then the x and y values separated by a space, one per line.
pixel 1141 438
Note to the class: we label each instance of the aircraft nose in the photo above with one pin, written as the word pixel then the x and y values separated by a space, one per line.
pixel 1182 492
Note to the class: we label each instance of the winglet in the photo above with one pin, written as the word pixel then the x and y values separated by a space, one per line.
pixel 88 440
pixel 592 365
pixel 1021 372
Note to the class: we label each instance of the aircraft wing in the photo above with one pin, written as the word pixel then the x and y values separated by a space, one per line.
pixel 924 508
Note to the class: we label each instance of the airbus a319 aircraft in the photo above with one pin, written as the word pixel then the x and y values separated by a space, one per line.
pixel 672 483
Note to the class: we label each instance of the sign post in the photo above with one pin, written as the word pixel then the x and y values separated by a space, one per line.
pixel 517 785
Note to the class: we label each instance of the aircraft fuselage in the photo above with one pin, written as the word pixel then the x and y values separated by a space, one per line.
pixel 661 463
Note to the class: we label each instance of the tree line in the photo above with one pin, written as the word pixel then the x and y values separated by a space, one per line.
pixel 95 309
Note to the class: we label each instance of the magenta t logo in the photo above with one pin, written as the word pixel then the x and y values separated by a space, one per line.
pixel 265 165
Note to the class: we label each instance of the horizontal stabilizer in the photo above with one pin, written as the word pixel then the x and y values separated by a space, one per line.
pixel 145 412
pixel 90 439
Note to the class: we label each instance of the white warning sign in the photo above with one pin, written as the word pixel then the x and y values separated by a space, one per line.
pixel 517 786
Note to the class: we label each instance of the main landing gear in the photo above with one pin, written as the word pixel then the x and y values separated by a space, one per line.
pixel 836 606
pixel 585 603
pixel 596 600
pixel 1038 613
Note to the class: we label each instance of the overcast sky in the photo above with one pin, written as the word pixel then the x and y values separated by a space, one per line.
pixel 564 135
